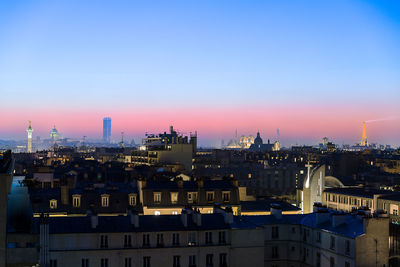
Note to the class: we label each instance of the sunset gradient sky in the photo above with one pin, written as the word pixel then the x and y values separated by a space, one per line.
pixel 310 68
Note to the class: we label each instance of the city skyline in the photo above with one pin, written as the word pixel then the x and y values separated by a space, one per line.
pixel 210 67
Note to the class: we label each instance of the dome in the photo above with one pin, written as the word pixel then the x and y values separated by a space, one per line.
pixel 54 133
pixel 258 140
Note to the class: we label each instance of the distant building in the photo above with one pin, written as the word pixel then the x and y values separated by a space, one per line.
pixel 107 130
pixel 29 131
pixel 259 146
pixel 166 149
pixel 54 134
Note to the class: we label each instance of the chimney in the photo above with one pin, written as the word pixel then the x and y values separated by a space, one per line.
pixel 196 217
pixel 338 218
pixel 94 220
pixel 184 216
pixel 134 218
pixel 276 211
pixel 317 206
pixel 322 215
pixel 228 215
pixel 64 194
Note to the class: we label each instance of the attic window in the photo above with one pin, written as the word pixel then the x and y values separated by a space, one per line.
pixel 53 204
pixel 105 200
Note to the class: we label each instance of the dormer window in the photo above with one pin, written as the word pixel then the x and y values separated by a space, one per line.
pixel 132 199
pixel 192 197
pixel 157 197
pixel 76 201
pixel 226 196
pixel 105 200
pixel 174 197
pixel 210 196
pixel 53 203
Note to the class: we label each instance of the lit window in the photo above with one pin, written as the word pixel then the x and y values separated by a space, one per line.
pixel 132 199
pixel 192 239
pixel 192 197
pixel 210 196
pixel 105 200
pixel 174 197
pixel 53 204
pixel 249 175
pixel 157 197
pixel 226 196
pixel 76 201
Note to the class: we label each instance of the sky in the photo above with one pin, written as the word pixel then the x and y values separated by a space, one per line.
pixel 310 68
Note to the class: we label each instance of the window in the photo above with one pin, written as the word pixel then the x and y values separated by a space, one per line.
pixel 146 240
pixel 104 262
pixel 347 247
pixel 157 197
pixel 222 260
pixel 53 263
pixel 105 200
pixel 192 197
pixel 347 264
pixel 209 260
pixel 226 196
pixel 333 241
pixel 174 197
pixel 275 253
pixel 103 241
pixel 192 239
pixel 76 201
pixel 53 204
pixel 293 248
pixel 192 261
pixel 127 241
pixel 208 237
pixel 157 212
pixel 128 262
pixel 318 263
pixel 160 240
pixel 210 196
pixel 275 231
pixel 221 237
pixel 177 261
pixel 293 230
pixel 146 262
pixel 175 239
pixel 132 199
pixel 319 237
pixel 85 263
pixel 332 262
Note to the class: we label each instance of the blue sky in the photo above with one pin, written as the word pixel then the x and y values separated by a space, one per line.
pixel 119 55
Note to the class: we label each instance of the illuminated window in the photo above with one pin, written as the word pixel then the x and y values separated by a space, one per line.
pixel 76 201
pixel 105 199
pixel 132 199
pixel 192 197
pixel 157 197
pixel 174 197
pixel 249 175
pixel 210 196
pixel 192 239
pixel 53 204
pixel 226 196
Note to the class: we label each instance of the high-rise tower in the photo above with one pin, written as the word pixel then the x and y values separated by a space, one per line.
pixel 364 141
pixel 107 129
pixel 29 146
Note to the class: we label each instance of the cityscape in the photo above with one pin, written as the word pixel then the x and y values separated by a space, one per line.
pixel 199 133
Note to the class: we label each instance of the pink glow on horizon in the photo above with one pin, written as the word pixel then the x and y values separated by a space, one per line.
pixel 295 122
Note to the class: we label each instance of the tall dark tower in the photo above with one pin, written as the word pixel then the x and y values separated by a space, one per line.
pixel 107 130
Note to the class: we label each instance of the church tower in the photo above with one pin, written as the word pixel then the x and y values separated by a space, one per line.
pixel 364 141
pixel 29 146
